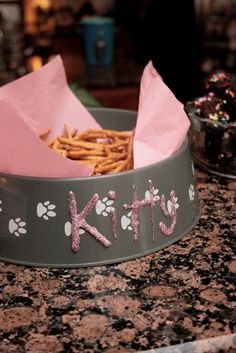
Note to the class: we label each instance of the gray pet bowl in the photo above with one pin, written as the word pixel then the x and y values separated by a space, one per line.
pixel 134 213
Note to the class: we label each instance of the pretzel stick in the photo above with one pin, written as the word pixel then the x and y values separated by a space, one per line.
pixel 67 131
pixel 94 134
pixel 91 162
pixel 122 166
pixel 44 133
pixel 63 153
pixel 55 144
pixel 81 154
pixel 113 158
pixel 82 144
pixel 117 145
pixel 130 150
pixel 107 168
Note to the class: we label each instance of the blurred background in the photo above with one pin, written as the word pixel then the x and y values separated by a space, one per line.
pixel 105 44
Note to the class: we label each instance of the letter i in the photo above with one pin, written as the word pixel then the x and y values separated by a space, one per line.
pixel 111 196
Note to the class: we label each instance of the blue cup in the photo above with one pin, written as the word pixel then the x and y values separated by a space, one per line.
pixel 98 35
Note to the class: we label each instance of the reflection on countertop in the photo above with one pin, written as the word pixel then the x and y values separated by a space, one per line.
pixel 181 294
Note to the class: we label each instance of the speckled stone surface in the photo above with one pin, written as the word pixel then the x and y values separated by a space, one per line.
pixel 184 293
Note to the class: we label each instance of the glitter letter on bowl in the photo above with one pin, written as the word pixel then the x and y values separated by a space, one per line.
pixel 164 229
pixel 79 221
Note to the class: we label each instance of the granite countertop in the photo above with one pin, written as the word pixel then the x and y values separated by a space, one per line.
pixel 159 303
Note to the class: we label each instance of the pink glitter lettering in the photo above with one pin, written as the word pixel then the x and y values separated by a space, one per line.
pixel 111 196
pixel 164 229
pixel 79 221
pixel 153 202
pixel 75 237
pixel 136 205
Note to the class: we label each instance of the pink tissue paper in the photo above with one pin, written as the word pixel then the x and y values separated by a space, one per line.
pixel 43 99
pixel 162 123
pixel 31 104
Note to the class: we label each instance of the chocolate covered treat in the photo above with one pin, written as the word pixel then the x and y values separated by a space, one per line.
pixel 216 111
pixel 218 82
pixel 223 85
pixel 211 107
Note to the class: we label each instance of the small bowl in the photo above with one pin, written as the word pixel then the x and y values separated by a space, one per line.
pixel 38 228
pixel 213 144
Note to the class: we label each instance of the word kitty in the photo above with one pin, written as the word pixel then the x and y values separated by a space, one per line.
pixel 78 220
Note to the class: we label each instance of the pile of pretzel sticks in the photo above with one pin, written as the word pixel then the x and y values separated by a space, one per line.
pixel 107 151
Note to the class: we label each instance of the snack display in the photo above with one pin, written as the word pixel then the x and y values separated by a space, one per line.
pixel 94 220
pixel 213 118
pixel 107 151
pixel 120 186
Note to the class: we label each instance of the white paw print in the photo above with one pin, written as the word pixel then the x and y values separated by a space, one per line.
pixel 191 192
pixel 104 206
pixel 44 210
pixel 16 227
pixel 67 229
pixel 148 196
pixel 126 221
pixel 169 204
pixel 0 206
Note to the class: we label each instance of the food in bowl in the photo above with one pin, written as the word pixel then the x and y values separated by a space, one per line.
pixel 106 151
